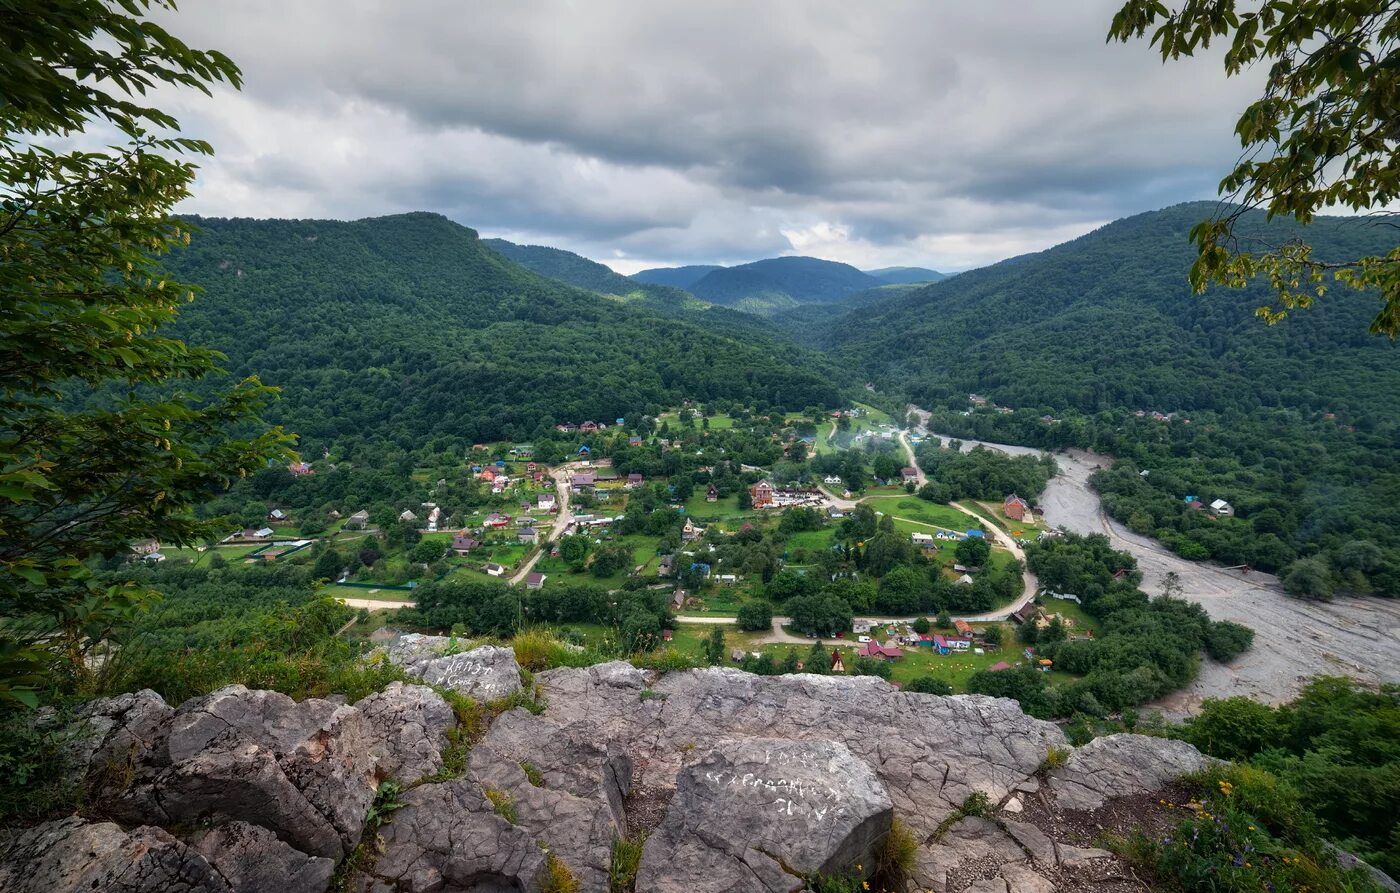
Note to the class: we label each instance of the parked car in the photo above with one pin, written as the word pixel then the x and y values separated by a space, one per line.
pixel 863 639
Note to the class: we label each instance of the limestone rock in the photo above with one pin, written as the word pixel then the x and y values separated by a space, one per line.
pixel 407 727
pixel 755 813
pixel 1021 878
pixel 116 735
pixel 304 771
pixel 1034 841
pixel 969 840
pixel 487 673
pixel 578 804
pixel 252 860
pixel 72 855
pixel 447 837
pixel 1119 765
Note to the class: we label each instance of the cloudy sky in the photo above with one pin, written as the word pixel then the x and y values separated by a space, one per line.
pixel 648 132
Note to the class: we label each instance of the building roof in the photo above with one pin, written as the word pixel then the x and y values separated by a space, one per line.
pixel 875 649
pixel 534 578
pixel 998 667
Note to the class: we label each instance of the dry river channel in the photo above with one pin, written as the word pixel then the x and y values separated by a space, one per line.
pixel 1293 639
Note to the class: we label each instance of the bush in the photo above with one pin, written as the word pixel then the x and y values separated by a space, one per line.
pixel 1226 641
pixel 755 615
pixel 1245 832
pixel 929 685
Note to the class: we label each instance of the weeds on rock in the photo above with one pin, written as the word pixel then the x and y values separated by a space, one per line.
pixel 1244 831
pixel 502 803
pixel 557 877
pixel 362 857
pixel 1055 757
pixel 532 774
pixel 626 859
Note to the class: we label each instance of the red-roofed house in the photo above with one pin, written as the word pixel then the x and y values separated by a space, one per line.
pixel 963 627
pixel 877 651
pixel 1015 508
pixel 634 480
pixel 910 474
pixel 300 468
pixel 535 580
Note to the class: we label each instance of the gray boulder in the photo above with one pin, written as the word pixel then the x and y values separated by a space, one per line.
pixel 757 814
pixel 252 860
pixel 72 855
pixel 407 726
pixel 118 735
pixel 487 673
pixel 304 771
pixel 448 837
pixel 1119 765
pixel 577 805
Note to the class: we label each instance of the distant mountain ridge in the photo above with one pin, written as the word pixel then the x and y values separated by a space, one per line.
pixel 409 327
pixel 906 275
pixel 1109 320
pixel 580 272
pixel 768 286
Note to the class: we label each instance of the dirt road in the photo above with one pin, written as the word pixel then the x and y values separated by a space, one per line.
pixel 562 518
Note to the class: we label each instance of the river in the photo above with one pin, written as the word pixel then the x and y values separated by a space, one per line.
pixel 1293 640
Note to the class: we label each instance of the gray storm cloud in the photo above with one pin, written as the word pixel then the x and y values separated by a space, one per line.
pixel 949 135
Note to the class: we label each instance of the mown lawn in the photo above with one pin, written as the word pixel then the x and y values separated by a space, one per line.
pixel 912 508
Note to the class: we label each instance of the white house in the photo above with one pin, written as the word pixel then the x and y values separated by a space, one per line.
pixel 1221 507
pixel 408 515
pixel 494 570
pixel 832 479
pixel 277 515
pixel 921 539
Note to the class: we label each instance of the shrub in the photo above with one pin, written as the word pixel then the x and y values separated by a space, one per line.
pixel 1055 757
pixel 557 877
pixel 626 859
pixel 1246 832
pixel 929 685
pixel 755 615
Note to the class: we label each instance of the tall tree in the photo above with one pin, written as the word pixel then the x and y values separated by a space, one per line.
pixel 1325 133
pixel 81 234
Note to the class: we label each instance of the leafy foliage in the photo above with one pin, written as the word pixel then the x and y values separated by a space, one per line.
pixel 408 328
pixel 1322 135
pixel 1337 744
pixel 82 236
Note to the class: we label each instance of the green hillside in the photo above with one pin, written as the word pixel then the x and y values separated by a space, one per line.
pixel 407 327
pixel 580 272
pixel 1108 320
pixel 1297 426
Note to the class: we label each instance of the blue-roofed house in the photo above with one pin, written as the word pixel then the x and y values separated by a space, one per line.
pixel 584 450
pixel 977 533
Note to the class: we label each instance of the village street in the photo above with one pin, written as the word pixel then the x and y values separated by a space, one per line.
pixel 562 519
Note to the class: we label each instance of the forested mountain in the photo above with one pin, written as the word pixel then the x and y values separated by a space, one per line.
pixel 769 286
pixel 1297 426
pixel 580 272
pixel 676 277
pixel 1108 320
pixel 811 324
pixel 407 328
pixel 906 275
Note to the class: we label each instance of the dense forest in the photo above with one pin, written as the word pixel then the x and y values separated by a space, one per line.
pixel 770 286
pixel 407 328
pixel 1099 343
